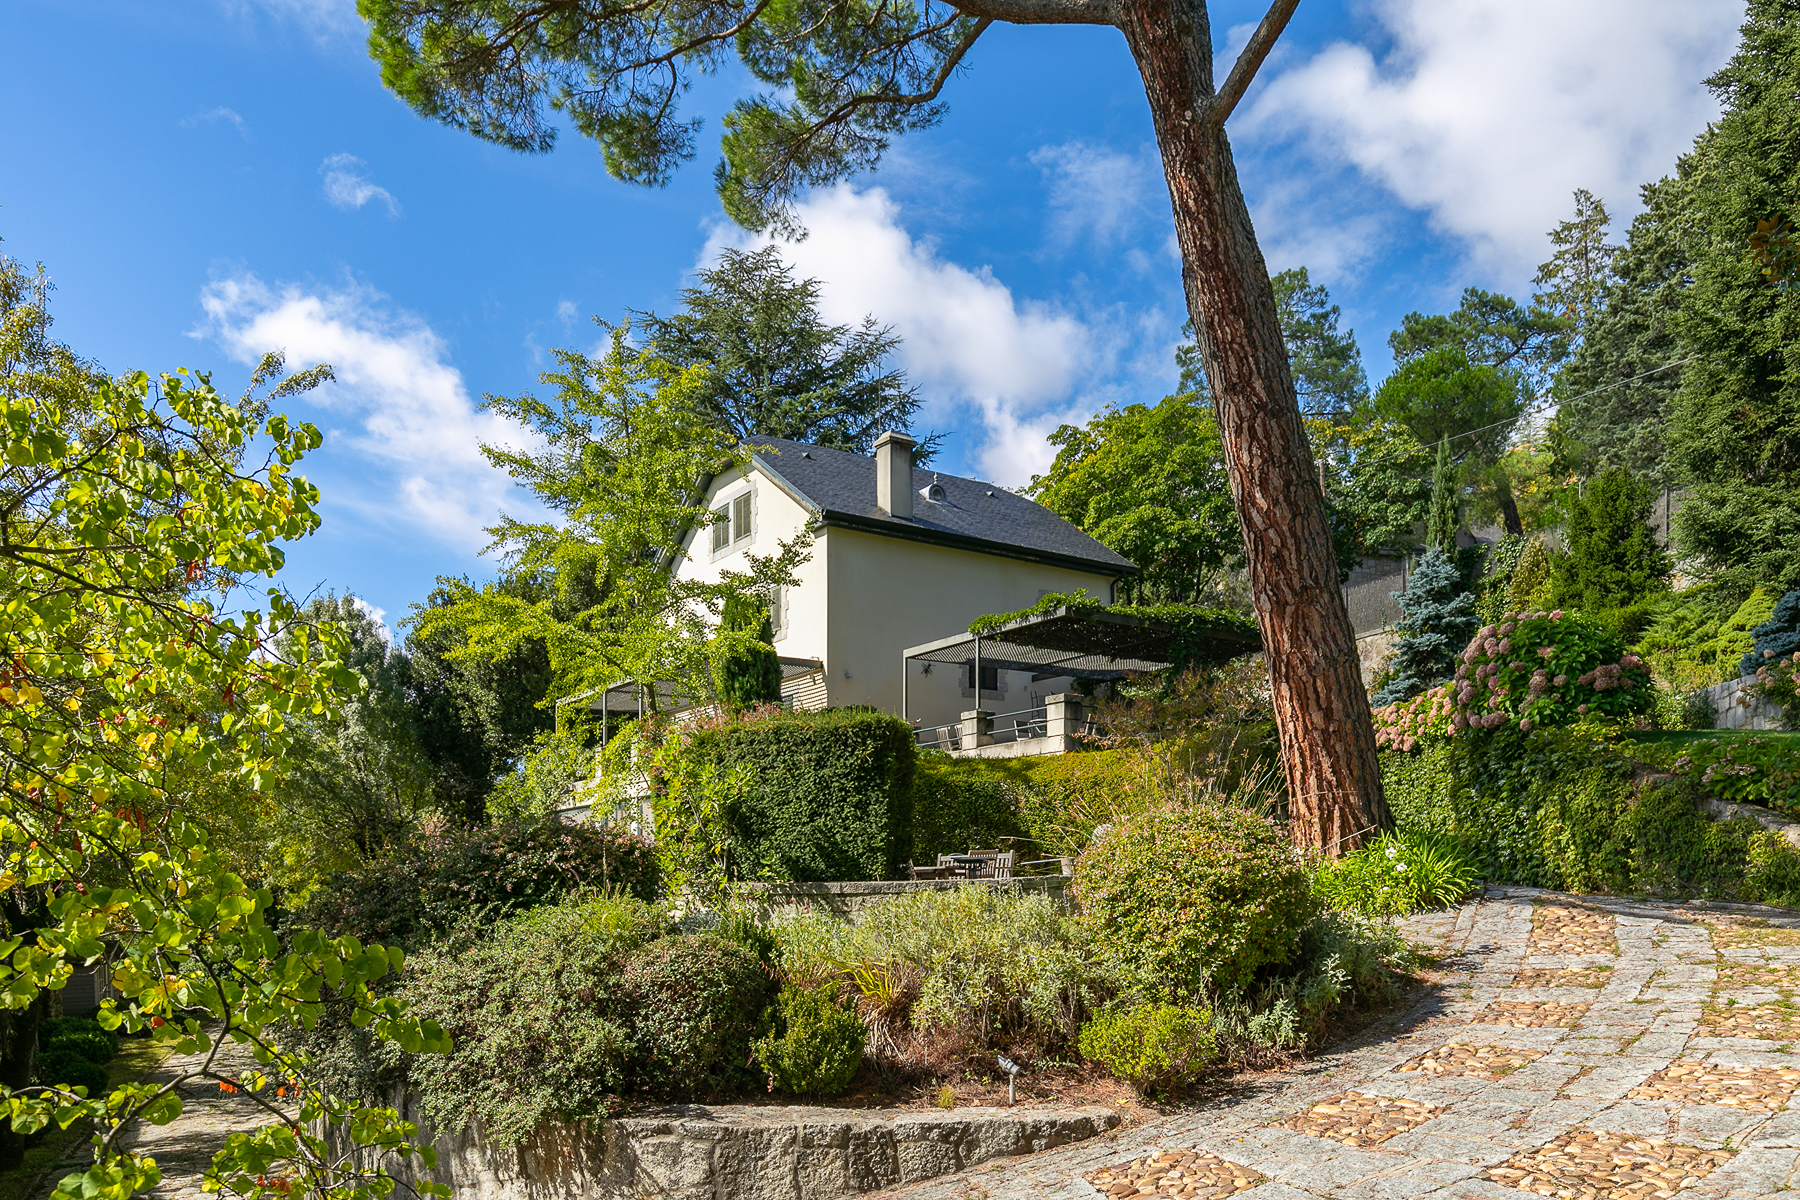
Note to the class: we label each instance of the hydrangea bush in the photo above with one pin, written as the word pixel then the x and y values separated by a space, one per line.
pixel 1405 725
pixel 1544 669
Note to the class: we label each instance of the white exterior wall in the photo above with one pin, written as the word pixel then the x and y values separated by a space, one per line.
pixel 776 517
pixel 888 594
pixel 862 599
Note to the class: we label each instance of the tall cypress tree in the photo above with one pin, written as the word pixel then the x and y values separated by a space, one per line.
pixel 1446 515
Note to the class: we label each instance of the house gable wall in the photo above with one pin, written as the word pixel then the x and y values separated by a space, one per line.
pixel 888 594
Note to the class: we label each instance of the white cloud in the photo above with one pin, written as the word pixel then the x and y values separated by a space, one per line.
pixel 375 614
pixel 347 188
pixel 1097 191
pixel 565 311
pixel 1487 114
pixel 218 114
pixel 1020 367
pixel 418 429
pixel 318 17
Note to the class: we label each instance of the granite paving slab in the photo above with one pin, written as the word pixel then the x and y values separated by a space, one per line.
pixel 1570 1046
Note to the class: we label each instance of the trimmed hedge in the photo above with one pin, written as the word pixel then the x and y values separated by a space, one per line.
pixel 1054 801
pixel 824 796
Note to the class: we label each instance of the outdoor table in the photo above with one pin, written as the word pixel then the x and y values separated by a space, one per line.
pixel 970 863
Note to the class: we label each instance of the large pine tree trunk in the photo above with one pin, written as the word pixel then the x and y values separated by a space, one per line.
pixel 1321 710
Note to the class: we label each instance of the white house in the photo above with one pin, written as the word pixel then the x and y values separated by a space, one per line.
pixel 900 557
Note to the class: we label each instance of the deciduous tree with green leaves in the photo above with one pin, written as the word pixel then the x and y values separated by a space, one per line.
pixel 120 499
pixel 1439 395
pixel 627 449
pixel 843 77
pixel 1149 481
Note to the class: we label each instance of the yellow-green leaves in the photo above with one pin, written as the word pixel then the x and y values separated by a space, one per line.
pixel 123 504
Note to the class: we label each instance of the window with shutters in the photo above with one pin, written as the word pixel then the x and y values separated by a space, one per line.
pixel 721 530
pixel 740 518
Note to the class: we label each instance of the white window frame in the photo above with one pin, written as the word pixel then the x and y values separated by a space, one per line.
pixel 725 510
pixel 778 612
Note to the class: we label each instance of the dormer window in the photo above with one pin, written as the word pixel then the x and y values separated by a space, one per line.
pixel 933 492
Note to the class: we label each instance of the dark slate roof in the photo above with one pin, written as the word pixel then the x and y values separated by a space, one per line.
pixel 840 487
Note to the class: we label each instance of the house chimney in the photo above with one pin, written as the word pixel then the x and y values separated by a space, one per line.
pixel 893 474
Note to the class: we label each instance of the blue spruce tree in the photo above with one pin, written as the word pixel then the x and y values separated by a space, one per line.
pixel 1437 620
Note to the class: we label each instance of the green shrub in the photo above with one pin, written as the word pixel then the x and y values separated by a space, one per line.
pixel 814 1047
pixel 1205 895
pixel 1676 850
pixel 1697 637
pixel 1397 873
pixel 696 1003
pixel 1777 637
pixel 808 796
pixel 1772 870
pixel 1750 769
pixel 84 1029
pixel 1153 1047
pixel 69 1068
pixel 538 1014
pixel 981 968
pixel 1059 798
pixel 959 805
pixel 1344 961
pixel 478 875
pixel 1537 669
pixel 92 1045
pixel 1614 560
pixel 1572 810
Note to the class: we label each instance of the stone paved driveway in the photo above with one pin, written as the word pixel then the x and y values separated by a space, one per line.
pixel 184 1148
pixel 1576 1047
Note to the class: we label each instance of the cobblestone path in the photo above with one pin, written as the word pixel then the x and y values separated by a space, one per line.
pixel 184 1148
pixel 1576 1047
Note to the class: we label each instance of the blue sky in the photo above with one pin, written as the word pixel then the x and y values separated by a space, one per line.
pixel 206 179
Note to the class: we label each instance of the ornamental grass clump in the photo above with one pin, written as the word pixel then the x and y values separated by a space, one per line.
pixel 1397 873
pixel 1202 895
pixel 1542 669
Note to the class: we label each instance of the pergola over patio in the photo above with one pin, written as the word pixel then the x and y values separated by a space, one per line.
pixel 1085 642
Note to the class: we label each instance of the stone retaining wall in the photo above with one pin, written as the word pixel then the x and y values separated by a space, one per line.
pixel 1736 708
pixel 847 899
pixel 744 1153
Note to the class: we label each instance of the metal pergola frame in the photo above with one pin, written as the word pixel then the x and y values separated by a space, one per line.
pixel 1079 642
pixel 632 698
